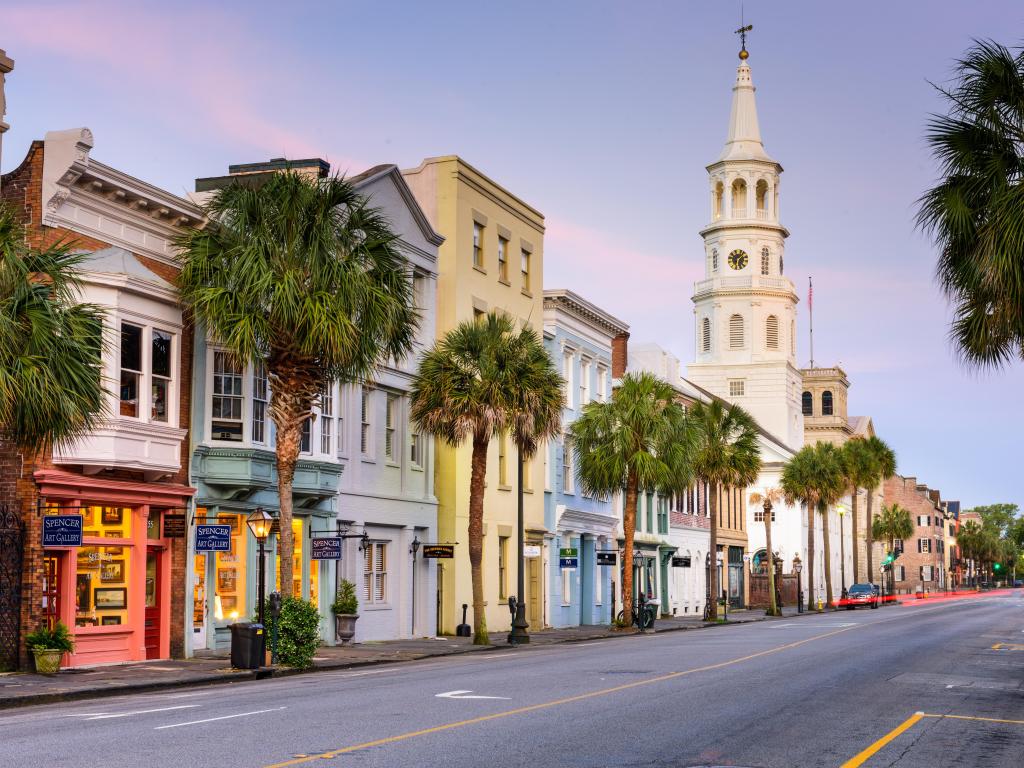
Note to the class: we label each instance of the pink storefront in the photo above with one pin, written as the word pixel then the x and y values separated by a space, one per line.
pixel 114 591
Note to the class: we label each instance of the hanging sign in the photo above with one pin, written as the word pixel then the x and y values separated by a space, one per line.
pixel 439 551
pixel 607 558
pixel 531 550
pixel 174 526
pixel 681 562
pixel 325 548
pixel 62 531
pixel 213 538
pixel 568 557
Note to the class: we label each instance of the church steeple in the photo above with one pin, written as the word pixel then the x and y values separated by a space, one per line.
pixel 744 140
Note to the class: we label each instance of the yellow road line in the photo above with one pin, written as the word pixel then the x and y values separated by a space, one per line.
pixel 862 757
pixel 980 719
pixel 583 696
pixel 1008 647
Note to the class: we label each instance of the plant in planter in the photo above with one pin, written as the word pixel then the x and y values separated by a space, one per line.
pixel 48 645
pixel 345 606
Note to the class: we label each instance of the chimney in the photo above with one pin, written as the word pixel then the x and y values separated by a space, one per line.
pixel 620 355
pixel 6 65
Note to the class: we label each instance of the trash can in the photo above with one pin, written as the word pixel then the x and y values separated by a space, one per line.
pixel 248 646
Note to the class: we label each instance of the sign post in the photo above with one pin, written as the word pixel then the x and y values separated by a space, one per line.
pixel 325 548
pixel 213 538
pixel 62 531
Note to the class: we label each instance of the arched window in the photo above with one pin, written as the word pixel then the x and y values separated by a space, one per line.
pixel 772 332
pixel 807 404
pixel 736 332
pixel 826 403
pixel 739 199
pixel 714 259
pixel 765 260
pixel 761 194
pixel 719 198
pixel 705 331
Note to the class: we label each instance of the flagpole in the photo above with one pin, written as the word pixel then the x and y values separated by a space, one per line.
pixel 810 308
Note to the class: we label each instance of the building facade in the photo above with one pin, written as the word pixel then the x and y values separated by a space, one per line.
pixel 492 258
pixel 921 565
pixel 122 590
pixel 579 337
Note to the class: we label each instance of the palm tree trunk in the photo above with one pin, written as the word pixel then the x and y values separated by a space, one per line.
pixel 713 553
pixel 773 608
pixel 870 536
pixel 628 529
pixel 810 556
pixel 476 537
pixel 288 413
pixel 853 534
pixel 828 555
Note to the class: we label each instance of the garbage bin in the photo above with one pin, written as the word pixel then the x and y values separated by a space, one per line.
pixel 248 646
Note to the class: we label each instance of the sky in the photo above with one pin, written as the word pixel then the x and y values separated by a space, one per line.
pixel 603 115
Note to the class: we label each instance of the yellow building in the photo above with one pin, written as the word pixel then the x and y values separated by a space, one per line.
pixel 492 258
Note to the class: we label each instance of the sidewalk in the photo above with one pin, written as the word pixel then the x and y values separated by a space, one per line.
pixel 17 690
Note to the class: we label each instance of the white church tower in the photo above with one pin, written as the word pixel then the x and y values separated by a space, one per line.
pixel 745 308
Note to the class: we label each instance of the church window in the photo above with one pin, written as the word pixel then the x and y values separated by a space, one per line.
pixel 765 260
pixel 736 388
pixel 761 193
pixel 739 199
pixel 706 335
pixel 714 259
pixel 736 332
pixel 719 196
pixel 807 404
pixel 772 332
pixel 826 403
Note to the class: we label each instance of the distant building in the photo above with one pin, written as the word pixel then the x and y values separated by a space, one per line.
pixel 922 565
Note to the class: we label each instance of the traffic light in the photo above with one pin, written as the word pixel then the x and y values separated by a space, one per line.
pixel 997 566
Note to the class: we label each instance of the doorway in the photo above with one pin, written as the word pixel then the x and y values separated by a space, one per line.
pixel 153 603
pixel 51 590
pixel 534 590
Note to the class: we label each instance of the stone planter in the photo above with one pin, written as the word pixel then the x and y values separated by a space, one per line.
pixel 47 660
pixel 345 627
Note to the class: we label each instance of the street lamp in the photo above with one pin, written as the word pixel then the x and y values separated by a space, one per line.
pixel 841 509
pixel 259 522
pixel 797 567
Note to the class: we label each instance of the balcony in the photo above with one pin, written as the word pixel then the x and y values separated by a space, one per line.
pixel 154 449
pixel 742 283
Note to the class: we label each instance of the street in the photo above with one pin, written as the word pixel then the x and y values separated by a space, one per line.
pixel 835 689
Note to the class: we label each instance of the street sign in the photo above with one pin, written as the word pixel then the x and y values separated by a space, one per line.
pixel 174 526
pixel 439 551
pixel 568 557
pixel 62 531
pixel 325 548
pixel 681 562
pixel 213 538
pixel 607 558
pixel 531 550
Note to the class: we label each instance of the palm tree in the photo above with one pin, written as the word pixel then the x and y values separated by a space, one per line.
pixel 768 499
pixel 51 391
pixel 885 465
pixel 726 454
pixel 302 275
pixel 862 469
pixel 482 378
pixel 973 213
pixel 637 442
pixel 815 477
pixel 893 523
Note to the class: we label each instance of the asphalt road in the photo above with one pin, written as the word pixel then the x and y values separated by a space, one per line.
pixel 839 689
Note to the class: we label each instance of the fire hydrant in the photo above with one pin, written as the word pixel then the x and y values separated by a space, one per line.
pixel 819 605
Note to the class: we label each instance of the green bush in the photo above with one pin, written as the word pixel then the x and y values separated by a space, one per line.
pixel 345 601
pixel 298 631
pixel 57 639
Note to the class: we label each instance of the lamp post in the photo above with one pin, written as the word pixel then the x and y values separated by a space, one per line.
pixel 413 549
pixel 798 566
pixel 841 509
pixel 259 522
pixel 707 583
pixel 519 633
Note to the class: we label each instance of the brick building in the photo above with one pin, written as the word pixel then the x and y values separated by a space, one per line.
pixel 922 565
pixel 122 591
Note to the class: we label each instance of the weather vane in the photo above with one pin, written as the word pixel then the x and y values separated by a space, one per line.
pixel 742 32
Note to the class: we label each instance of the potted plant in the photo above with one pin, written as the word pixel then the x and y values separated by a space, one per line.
pixel 345 606
pixel 48 646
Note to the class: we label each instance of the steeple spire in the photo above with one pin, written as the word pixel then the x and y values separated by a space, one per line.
pixel 744 140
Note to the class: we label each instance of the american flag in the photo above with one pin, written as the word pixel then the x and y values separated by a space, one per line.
pixel 810 293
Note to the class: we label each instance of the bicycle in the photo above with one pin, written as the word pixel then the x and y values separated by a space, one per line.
pixel 644 613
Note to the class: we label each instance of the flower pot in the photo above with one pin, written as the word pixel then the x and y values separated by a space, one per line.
pixel 345 627
pixel 47 660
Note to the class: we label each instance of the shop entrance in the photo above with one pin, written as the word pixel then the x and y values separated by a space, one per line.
pixel 51 590
pixel 153 607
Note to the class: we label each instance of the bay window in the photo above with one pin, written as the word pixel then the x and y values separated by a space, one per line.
pixel 131 368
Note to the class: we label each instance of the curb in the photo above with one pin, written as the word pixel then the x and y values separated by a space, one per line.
pixel 276 672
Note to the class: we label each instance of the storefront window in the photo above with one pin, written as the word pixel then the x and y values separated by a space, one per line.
pixel 198 593
pixel 229 603
pixel 107 522
pixel 296 560
pixel 101 598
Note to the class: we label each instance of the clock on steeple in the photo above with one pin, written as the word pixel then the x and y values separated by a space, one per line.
pixel 738 259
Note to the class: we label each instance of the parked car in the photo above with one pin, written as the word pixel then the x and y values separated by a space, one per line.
pixel 862 594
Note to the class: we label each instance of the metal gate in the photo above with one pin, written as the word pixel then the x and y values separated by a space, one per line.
pixel 11 544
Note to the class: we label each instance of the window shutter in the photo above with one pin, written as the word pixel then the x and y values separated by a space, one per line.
pixel 764 261
pixel 736 332
pixel 706 331
pixel 772 332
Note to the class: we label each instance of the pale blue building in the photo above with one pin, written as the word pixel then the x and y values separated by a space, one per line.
pixel 578 336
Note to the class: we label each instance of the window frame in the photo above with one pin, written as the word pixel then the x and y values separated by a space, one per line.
pixel 240 396
pixel 525 257
pixel 503 244
pixel 374 577
pixel 366 446
pixel 392 408
pixel 478 246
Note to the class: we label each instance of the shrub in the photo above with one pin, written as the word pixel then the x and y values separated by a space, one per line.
pixel 57 639
pixel 345 601
pixel 298 631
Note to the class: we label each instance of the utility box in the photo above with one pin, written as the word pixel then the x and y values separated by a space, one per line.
pixel 248 646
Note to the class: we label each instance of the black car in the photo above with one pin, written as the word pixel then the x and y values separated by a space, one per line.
pixel 862 594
